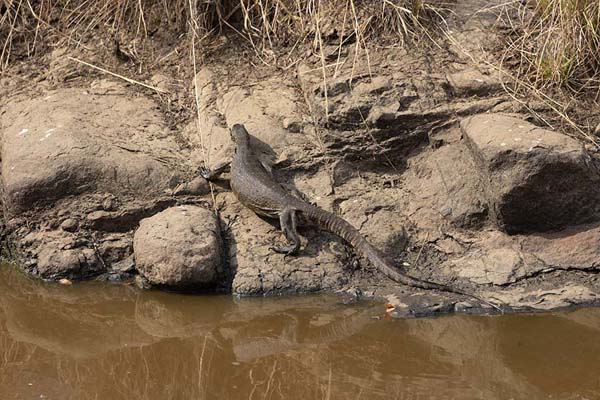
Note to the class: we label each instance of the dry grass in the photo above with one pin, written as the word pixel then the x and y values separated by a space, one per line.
pixel 267 24
pixel 557 43
pixel 553 57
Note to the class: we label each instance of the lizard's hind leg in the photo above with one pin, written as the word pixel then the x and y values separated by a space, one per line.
pixel 287 220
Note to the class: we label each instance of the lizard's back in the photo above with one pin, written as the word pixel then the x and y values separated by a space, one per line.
pixel 255 187
pixel 257 190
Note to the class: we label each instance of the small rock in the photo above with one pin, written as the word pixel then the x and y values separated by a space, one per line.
pixel 463 306
pixel 69 225
pixel 109 204
pixel 179 247
pixel 498 266
pixel 65 281
pixel 446 211
pixel 97 215
pixel 142 283
pixel 472 82
pixel 54 263
pixel 349 296
pixel 196 187
pixel 115 249
pixel 376 86
pixel 336 87
pixel 160 81
pixel 566 295
pixel 292 125
pixel 125 265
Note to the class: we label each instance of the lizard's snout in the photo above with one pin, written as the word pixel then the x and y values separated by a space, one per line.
pixel 238 132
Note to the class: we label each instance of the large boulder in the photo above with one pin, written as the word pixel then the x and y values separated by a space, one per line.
pixel 72 141
pixel 261 271
pixel 442 190
pixel 179 247
pixel 534 179
pixel 269 110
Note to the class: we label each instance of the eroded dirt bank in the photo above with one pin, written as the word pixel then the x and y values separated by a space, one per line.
pixel 420 149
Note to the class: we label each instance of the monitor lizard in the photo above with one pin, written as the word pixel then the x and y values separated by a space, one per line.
pixel 255 188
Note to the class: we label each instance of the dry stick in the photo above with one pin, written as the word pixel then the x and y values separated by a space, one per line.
pixel 421 250
pixel 339 55
pixel 117 75
pixel 320 41
pixel 359 39
pixel 205 152
pixel 196 97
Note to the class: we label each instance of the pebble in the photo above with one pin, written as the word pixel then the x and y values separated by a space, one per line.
pixel 69 225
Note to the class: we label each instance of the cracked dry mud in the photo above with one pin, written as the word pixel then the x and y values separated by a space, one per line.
pixel 433 163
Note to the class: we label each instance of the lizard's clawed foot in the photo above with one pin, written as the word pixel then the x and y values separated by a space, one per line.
pixel 212 174
pixel 205 172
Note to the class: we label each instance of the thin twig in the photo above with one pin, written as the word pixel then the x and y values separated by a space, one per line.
pixel 117 75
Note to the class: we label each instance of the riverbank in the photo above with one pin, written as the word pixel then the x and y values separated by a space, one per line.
pixel 420 146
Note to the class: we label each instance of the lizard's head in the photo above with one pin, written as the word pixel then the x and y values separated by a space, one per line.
pixel 239 134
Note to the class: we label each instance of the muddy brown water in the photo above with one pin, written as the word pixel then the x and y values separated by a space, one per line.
pixel 93 341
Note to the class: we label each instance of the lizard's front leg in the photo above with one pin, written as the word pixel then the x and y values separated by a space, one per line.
pixel 287 220
pixel 213 174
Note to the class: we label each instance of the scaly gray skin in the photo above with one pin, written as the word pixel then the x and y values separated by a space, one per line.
pixel 256 189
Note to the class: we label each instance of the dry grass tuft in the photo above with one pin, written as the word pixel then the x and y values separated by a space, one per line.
pixel 557 43
pixel 267 24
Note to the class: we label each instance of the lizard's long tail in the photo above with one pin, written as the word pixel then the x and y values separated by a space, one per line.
pixel 343 229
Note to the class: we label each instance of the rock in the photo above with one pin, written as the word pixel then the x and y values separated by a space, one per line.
pixel 376 86
pixel 443 188
pixel 463 307
pixel 499 259
pixel 142 283
pixel 567 295
pixel 269 110
pixel 69 225
pixel 109 204
pixel 471 82
pixel 261 108
pixel 72 141
pixel 196 187
pixel 125 265
pixel 260 271
pixel 418 305
pixel 534 179
pixel 128 217
pixel 292 125
pixel 499 266
pixel 115 248
pixel 54 263
pixel 161 81
pixel 571 248
pixel 179 247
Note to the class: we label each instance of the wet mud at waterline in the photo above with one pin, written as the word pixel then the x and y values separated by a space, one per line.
pixel 93 341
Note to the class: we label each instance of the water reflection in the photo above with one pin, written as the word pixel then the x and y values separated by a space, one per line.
pixel 96 342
